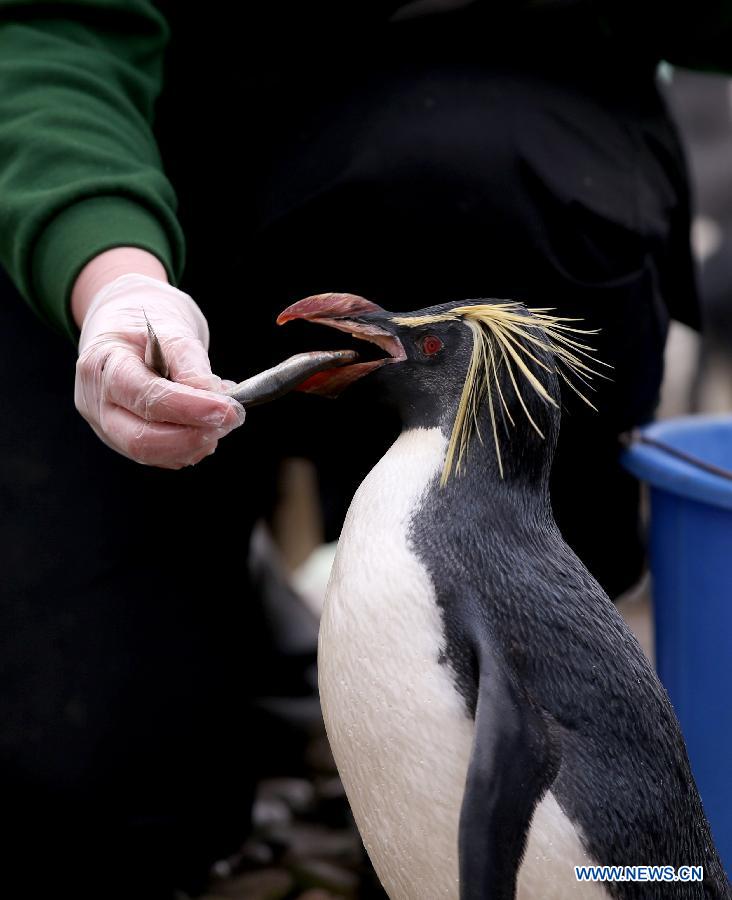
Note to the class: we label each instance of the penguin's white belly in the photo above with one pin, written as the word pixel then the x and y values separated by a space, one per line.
pixel 400 732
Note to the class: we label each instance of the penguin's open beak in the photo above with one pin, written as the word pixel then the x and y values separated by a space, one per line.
pixel 356 316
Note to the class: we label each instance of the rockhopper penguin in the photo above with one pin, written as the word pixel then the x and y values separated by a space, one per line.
pixel 494 721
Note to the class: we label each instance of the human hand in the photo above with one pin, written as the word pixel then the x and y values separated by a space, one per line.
pixel 170 424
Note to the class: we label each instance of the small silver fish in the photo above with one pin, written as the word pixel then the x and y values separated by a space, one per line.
pixel 287 375
pixel 267 385
pixel 154 356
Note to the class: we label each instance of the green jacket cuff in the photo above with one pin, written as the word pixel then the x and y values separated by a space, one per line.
pixel 81 232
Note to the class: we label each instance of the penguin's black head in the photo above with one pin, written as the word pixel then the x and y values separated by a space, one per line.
pixel 421 368
pixel 479 368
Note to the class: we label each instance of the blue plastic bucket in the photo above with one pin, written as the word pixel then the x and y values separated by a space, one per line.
pixel 691 565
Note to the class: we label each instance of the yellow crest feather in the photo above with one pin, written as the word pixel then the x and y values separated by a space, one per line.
pixel 501 332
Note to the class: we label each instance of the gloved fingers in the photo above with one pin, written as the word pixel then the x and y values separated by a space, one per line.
pixel 168 423
pixel 159 444
pixel 129 383
pixel 189 363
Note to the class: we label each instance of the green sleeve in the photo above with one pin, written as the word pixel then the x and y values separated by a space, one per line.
pixel 80 171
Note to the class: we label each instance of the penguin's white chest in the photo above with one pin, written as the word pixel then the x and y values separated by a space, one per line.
pixel 400 733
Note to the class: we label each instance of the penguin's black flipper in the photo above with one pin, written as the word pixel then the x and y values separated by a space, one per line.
pixel 514 761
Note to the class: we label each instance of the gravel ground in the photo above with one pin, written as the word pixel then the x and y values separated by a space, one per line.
pixel 304 844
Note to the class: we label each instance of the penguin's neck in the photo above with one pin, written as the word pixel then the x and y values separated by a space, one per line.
pixel 481 492
pixel 518 485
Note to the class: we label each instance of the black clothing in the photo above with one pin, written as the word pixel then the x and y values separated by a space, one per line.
pixel 440 158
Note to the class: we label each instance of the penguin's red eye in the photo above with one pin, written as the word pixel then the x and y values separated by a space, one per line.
pixel 431 344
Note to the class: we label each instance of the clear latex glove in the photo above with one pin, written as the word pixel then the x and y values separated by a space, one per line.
pixel 149 419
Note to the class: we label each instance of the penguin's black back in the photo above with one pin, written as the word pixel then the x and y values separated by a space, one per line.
pixel 503 574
